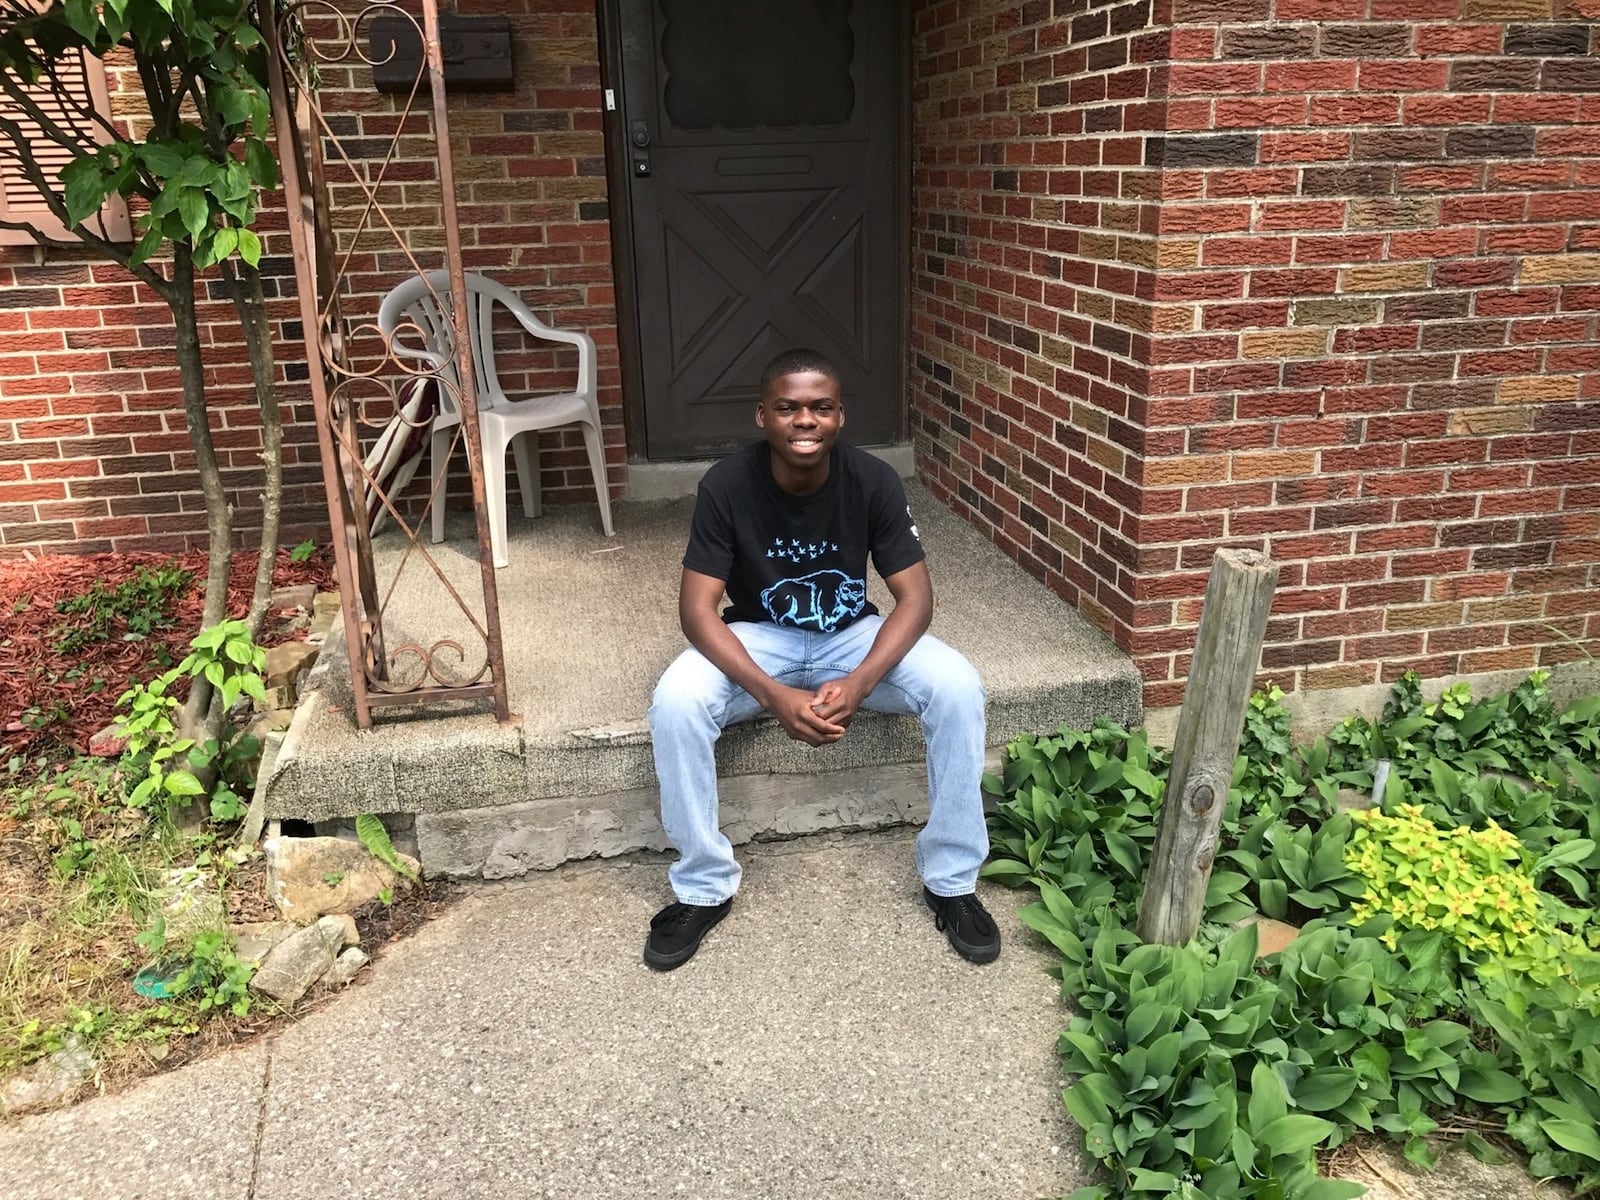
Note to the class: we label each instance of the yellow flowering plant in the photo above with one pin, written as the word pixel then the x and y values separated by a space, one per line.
pixel 1474 885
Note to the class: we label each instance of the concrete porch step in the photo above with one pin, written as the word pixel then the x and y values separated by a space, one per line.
pixel 589 624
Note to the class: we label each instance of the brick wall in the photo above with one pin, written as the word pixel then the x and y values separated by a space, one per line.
pixel 93 453
pixel 1034 255
pixel 1316 276
pixel 1372 322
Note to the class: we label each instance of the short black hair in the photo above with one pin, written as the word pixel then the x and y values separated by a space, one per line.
pixel 799 359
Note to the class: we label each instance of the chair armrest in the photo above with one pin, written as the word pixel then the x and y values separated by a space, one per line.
pixel 587 367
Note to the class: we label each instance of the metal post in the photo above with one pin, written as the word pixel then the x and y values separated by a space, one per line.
pixel 469 396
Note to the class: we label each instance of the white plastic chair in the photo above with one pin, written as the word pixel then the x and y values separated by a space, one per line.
pixel 502 421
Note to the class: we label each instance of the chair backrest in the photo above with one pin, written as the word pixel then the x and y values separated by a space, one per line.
pixel 425 301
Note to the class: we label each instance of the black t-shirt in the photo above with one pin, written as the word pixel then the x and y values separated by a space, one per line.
pixel 800 561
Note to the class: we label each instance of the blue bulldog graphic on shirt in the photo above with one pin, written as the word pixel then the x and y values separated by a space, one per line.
pixel 817 601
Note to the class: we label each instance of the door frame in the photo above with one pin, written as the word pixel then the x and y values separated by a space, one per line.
pixel 619 204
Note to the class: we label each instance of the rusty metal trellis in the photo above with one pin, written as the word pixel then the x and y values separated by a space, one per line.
pixel 302 36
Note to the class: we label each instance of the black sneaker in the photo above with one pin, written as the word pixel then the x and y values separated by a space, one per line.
pixel 967 924
pixel 676 930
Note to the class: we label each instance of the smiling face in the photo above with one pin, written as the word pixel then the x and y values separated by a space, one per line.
pixel 801 415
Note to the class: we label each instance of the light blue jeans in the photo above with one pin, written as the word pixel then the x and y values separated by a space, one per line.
pixel 695 701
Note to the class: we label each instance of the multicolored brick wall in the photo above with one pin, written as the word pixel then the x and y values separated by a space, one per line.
pixel 93 451
pixel 1366 343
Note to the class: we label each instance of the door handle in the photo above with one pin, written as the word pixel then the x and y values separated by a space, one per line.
pixel 640 137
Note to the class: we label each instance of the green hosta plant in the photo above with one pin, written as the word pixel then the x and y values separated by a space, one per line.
pixel 1444 965
pixel 1183 1087
pixel 1079 810
pixel 1302 865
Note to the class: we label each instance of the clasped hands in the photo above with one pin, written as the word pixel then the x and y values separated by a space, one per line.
pixel 817 718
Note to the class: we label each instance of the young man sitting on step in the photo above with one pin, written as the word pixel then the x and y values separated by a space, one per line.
pixel 785 527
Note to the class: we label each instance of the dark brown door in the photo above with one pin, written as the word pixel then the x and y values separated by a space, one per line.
pixel 763 169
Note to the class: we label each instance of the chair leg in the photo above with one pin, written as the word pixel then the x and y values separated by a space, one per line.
pixel 440 455
pixel 494 494
pixel 597 465
pixel 525 449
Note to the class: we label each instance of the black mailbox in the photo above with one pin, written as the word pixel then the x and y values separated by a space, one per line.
pixel 476 52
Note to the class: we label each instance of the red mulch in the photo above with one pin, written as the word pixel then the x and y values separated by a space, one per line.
pixel 52 703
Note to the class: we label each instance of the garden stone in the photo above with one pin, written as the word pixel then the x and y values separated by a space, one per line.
pixel 284 662
pixel 1273 937
pixel 298 595
pixel 55 1078
pixel 280 671
pixel 277 698
pixel 108 743
pixel 299 961
pixel 1354 800
pixel 273 721
pixel 345 925
pixel 325 609
pixel 345 967
pixel 252 942
pixel 307 877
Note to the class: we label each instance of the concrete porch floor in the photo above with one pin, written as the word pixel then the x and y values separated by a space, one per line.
pixel 589 623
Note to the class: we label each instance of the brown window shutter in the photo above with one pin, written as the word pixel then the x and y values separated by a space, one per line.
pixel 19 199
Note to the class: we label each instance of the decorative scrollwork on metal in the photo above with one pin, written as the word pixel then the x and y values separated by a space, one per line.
pixel 363 382
pixel 429 667
pixel 345 45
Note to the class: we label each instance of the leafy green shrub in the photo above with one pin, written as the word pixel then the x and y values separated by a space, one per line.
pixel 1518 732
pixel 1549 1036
pixel 1443 965
pixel 169 768
pixel 1470 883
pixel 216 972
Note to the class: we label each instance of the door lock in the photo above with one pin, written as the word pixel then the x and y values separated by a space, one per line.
pixel 640 137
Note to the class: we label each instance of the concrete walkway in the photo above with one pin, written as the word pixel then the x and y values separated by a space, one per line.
pixel 826 1042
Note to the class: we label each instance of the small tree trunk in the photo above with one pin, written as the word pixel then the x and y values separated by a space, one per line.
pixel 244 288
pixel 196 720
pixel 1227 649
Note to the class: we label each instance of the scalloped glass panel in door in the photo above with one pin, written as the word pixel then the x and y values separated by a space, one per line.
pixel 749 64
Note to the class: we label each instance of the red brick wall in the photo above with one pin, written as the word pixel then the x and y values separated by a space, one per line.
pixel 93 453
pixel 1034 255
pixel 1373 327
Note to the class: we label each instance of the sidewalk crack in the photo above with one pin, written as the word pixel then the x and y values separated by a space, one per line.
pixel 261 1128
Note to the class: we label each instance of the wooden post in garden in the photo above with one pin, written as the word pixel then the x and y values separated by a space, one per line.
pixel 1227 649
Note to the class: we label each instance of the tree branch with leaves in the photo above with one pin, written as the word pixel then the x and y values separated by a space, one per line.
pixel 196 177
